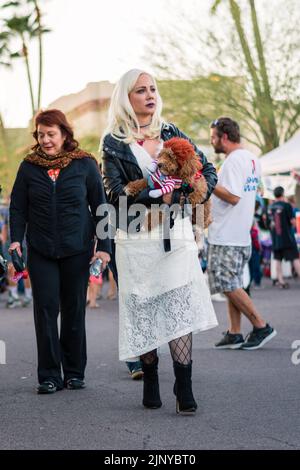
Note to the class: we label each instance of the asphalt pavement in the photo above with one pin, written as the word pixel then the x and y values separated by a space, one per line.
pixel 246 399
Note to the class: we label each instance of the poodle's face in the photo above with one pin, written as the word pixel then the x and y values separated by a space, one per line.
pixel 167 163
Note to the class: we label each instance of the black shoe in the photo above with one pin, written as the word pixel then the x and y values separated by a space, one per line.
pixel 259 337
pixel 230 341
pixel 185 402
pixel 151 396
pixel 282 285
pixel 48 386
pixel 74 384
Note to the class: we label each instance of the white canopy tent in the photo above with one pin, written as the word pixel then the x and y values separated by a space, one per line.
pixel 283 159
pixel 271 181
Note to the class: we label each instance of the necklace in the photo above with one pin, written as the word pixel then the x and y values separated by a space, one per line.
pixel 146 125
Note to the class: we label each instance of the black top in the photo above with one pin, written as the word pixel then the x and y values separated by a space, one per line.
pixel 59 217
pixel 280 214
pixel 120 167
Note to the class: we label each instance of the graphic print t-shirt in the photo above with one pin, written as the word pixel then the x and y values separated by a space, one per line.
pixel 280 214
pixel 240 175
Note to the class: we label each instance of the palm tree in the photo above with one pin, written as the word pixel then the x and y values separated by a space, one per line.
pixel 262 103
pixel 27 27
pixel 22 27
pixel 5 61
pixel 39 31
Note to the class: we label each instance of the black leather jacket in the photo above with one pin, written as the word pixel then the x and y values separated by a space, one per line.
pixel 120 166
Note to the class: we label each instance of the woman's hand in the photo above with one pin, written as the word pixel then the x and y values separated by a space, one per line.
pixel 167 198
pixel 182 200
pixel 105 258
pixel 15 246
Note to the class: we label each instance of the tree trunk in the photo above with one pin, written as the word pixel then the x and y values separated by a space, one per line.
pixel 268 102
pixel 38 14
pixel 25 54
pixel 261 103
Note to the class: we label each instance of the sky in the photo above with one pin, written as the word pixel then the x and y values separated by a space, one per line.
pixel 91 40
pixel 94 40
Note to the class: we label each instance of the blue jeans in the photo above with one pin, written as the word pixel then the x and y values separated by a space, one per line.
pixel 255 268
pixel 137 365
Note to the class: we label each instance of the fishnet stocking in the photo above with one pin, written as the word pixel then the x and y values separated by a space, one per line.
pixel 181 349
pixel 149 357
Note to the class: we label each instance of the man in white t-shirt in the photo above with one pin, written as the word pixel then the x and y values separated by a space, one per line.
pixel 229 239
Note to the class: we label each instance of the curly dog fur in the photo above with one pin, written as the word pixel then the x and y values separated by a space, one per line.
pixel 179 159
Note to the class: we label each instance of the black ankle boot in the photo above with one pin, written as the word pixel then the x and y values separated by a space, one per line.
pixel 185 402
pixel 151 398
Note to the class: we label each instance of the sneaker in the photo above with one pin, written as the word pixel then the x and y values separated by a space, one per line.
pixel 259 337
pixel 26 301
pixel 137 374
pixel 230 341
pixel 135 370
pixel 13 302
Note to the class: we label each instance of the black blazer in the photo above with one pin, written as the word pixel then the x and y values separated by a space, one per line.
pixel 59 218
pixel 120 166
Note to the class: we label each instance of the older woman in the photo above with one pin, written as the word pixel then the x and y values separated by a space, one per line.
pixel 57 191
pixel 163 296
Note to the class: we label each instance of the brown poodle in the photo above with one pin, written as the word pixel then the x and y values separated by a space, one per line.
pixel 177 165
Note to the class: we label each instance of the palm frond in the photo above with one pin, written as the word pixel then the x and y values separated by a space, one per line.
pixel 215 6
pixel 11 4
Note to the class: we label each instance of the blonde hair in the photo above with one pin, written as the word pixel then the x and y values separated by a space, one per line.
pixel 122 120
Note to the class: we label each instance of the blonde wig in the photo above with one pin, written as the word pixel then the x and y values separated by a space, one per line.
pixel 122 120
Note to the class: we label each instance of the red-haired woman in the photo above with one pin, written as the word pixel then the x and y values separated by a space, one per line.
pixel 54 200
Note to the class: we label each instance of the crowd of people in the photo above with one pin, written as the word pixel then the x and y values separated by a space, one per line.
pixel 164 297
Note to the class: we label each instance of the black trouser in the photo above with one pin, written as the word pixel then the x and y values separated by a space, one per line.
pixel 112 264
pixel 60 286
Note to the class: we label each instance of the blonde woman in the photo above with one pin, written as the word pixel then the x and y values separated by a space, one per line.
pixel 163 297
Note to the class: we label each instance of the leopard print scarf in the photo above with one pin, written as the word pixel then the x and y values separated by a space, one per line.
pixel 61 160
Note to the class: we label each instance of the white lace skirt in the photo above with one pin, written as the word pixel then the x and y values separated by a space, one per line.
pixel 162 295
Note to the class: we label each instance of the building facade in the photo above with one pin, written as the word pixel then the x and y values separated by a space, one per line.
pixel 87 109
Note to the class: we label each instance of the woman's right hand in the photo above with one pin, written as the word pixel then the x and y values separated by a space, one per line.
pixel 167 198
pixel 15 246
